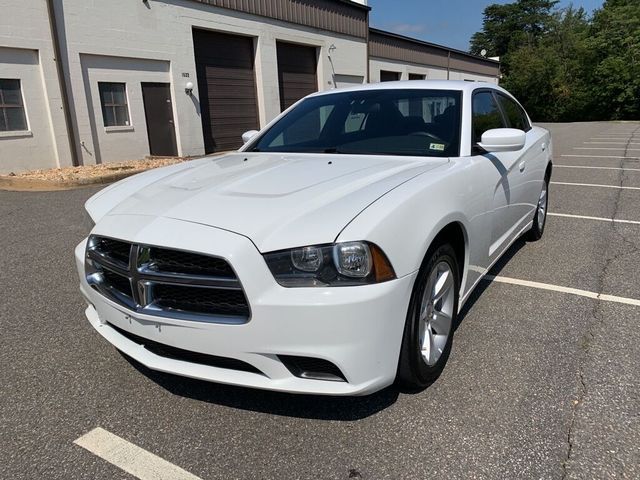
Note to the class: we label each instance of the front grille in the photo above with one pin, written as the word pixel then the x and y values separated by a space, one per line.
pixel 114 249
pixel 117 283
pixel 175 353
pixel 202 300
pixel 165 282
pixel 163 259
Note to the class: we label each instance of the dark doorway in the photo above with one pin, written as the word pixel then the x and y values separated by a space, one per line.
pixel 387 76
pixel 158 111
pixel 227 85
pixel 297 72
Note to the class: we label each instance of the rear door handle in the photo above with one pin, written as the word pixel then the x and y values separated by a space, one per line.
pixel 522 166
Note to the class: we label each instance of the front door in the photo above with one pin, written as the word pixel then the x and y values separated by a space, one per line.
pixel 506 175
pixel 158 110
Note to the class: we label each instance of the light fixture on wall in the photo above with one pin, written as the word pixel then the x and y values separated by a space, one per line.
pixel 188 88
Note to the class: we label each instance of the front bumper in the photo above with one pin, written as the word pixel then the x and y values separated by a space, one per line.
pixel 359 329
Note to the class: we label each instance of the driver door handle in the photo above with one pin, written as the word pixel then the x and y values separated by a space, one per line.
pixel 522 166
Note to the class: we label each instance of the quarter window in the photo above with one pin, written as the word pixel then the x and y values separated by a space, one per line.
pixel 12 116
pixel 113 98
pixel 486 114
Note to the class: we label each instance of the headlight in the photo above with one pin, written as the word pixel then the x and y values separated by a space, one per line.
pixel 340 264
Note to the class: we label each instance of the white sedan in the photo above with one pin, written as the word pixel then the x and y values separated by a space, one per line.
pixel 332 253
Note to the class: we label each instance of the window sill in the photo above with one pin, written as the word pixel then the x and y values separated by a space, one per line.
pixel 16 134
pixel 123 128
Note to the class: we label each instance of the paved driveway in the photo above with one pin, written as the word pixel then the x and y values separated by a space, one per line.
pixel 543 382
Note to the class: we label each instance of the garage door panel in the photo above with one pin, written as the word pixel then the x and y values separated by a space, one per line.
pixel 226 80
pixel 297 72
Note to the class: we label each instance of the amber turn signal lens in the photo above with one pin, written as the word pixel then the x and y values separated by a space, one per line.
pixel 382 269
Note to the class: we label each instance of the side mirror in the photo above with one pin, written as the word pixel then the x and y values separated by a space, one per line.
pixel 246 136
pixel 503 140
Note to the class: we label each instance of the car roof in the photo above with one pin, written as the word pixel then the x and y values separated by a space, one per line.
pixel 459 85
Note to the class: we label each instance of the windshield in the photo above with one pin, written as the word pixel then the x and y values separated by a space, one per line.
pixel 372 122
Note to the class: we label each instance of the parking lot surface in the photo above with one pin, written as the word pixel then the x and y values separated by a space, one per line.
pixel 542 382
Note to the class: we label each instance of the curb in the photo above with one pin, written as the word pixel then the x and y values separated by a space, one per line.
pixel 17 184
pixel 22 184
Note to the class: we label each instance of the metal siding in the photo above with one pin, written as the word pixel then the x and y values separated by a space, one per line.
pixel 472 65
pixel 404 50
pixel 331 15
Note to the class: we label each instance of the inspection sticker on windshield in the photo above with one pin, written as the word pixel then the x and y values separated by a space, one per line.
pixel 437 146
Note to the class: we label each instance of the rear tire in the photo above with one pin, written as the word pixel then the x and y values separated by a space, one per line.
pixel 431 319
pixel 540 216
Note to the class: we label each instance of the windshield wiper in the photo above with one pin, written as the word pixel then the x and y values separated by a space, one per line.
pixel 333 150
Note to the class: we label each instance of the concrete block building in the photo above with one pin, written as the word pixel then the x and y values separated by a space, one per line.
pixel 93 81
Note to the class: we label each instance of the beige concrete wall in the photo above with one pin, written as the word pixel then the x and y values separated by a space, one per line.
pixel 111 144
pixel 26 53
pixel 161 33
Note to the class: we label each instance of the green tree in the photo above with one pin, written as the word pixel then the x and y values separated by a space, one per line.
pixel 563 65
pixel 548 78
pixel 507 27
pixel 614 43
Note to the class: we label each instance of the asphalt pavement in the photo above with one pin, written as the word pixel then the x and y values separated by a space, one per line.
pixel 541 383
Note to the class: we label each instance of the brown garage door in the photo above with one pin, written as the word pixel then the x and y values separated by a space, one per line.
pixel 296 72
pixel 387 76
pixel 227 85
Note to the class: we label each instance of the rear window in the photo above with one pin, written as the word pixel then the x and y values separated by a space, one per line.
pixel 412 122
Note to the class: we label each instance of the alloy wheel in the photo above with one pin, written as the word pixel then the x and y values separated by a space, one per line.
pixel 436 312
pixel 542 206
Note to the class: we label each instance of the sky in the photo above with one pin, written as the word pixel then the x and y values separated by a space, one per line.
pixel 446 22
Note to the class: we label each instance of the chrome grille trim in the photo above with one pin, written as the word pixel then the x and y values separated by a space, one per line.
pixel 106 274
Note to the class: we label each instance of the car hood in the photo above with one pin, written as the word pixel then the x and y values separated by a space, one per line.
pixel 276 200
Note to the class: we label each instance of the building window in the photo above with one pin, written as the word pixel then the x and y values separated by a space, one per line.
pixel 113 97
pixel 12 117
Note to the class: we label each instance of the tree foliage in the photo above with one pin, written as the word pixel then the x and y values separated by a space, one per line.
pixel 564 65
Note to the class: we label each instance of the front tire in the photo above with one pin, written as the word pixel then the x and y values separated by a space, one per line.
pixel 540 217
pixel 431 319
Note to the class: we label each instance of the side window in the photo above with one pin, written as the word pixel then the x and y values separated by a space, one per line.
pixel 486 114
pixel 113 98
pixel 12 117
pixel 515 114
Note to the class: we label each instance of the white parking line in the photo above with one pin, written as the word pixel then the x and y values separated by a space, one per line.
pixel 610 143
pixel 595 185
pixel 131 458
pixel 599 219
pixel 558 288
pixel 607 148
pixel 598 168
pixel 601 156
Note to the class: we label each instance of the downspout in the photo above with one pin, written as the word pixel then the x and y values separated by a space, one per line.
pixel 368 71
pixel 62 82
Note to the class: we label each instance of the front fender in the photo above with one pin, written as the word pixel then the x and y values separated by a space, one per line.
pixel 405 222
